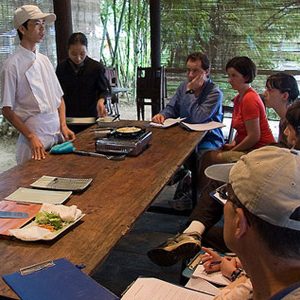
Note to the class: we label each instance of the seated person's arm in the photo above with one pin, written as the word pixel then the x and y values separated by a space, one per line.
pixel 253 136
pixel 159 118
pixel 213 262
pixel 204 111
pixel 227 147
pixel 67 133
pixel 241 288
pixel 197 83
pixel 37 148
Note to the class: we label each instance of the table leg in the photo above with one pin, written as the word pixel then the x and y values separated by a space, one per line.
pixel 194 165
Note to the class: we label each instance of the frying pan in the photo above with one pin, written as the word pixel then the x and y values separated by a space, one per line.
pixel 128 131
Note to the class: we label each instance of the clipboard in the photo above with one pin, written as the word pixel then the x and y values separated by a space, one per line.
pixel 57 279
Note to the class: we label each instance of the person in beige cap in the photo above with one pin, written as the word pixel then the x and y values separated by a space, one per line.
pixel 262 219
pixel 31 94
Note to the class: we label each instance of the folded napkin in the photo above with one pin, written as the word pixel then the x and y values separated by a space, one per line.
pixel 66 147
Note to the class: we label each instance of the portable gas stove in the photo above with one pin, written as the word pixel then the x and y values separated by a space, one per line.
pixel 129 145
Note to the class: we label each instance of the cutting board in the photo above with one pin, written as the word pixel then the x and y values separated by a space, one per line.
pixel 5 224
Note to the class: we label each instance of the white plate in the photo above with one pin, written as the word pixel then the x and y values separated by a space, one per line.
pixel 105 119
pixel 38 233
pixel 38 196
pixel 80 121
pixel 61 183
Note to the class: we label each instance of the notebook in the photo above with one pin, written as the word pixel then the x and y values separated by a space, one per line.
pixel 156 289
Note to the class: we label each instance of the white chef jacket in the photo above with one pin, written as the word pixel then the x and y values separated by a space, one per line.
pixel 30 87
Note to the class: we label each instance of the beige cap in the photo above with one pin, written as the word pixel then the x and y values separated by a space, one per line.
pixel 267 183
pixel 31 12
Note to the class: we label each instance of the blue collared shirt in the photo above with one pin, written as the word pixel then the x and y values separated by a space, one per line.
pixel 204 108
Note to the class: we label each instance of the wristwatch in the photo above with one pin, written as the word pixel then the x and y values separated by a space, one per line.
pixel 235 274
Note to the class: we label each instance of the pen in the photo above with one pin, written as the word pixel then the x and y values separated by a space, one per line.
pixel 214 263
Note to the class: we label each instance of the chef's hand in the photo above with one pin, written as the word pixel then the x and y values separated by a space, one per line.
pixel 101 110
pixel 37 148
pixel 159 118
pixel 197 82
pixel 68 134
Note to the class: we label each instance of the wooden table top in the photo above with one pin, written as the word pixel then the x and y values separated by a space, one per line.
pixel 120 192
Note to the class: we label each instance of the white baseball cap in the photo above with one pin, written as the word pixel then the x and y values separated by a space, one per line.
pixel 31 12
pixel 267 183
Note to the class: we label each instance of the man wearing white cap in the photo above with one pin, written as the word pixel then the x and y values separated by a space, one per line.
pixel 31 94
pixel 262 219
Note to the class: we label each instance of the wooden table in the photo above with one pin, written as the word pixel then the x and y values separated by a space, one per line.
pixel 120 192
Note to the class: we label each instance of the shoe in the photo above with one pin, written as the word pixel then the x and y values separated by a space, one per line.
pixel 182 246
pixel 184 186
pixel 184 202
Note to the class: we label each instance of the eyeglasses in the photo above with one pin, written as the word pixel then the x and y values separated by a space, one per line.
pixel 223 191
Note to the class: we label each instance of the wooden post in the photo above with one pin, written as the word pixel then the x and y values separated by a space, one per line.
pixel 63 27
pixel 155 33
pixel 155 50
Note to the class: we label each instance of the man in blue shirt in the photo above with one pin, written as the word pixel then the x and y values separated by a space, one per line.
pixel 198 100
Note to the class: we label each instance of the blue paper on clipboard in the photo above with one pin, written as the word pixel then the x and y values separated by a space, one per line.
pixel 60 279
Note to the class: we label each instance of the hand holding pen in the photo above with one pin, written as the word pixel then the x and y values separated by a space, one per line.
pixel 211 260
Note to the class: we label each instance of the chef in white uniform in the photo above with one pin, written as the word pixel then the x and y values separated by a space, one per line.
pixel 31 94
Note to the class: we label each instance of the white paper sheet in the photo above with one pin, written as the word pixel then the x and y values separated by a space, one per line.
pixel 201 285
pixel 156 289
pixel 203 126
pixel 167 123
pixel 215 277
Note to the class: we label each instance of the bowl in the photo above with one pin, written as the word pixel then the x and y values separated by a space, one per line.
pixel 105 119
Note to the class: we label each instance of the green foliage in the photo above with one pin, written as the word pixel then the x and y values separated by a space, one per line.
pixel 224 29
pixel 133 47
pixel 266 30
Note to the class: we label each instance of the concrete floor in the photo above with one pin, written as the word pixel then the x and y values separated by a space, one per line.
pixel 128 259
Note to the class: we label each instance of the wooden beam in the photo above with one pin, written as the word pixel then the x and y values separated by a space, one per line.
pixel 63 27
pixel 155 33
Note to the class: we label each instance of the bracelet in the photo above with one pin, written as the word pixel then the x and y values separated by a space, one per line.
pixel 235 274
